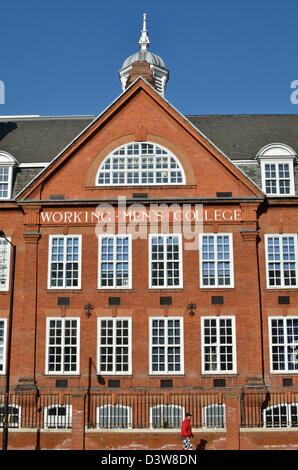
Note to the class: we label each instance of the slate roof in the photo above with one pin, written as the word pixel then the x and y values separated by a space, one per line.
pixel 40 139
pixel 240 137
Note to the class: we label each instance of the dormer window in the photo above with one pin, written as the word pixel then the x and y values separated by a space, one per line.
pixel 140 163
pixel 7 163
pixel 277 169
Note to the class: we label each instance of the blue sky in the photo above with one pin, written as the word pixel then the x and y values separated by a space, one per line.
pixel 61 57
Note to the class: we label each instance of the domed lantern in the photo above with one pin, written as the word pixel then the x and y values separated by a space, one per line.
pixel 145 64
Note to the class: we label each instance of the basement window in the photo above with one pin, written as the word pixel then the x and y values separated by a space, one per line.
pixel 14 416
pixel 166 416
pixel 284 415
pixel 113 417
pixel 58 417
pixel 214 416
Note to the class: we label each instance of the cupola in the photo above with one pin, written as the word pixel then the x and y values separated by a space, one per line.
pixel 145 64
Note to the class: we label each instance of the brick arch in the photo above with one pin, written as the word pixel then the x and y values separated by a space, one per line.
pixel 102 154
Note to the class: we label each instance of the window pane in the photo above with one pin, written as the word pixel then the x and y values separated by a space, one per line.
pixel 140 163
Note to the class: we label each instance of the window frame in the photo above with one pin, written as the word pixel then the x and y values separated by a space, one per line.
pixel 166 372
pixel 172 408
pixel 289 415
pixel 114 346
pixel 129 261
pixel 47 346
pixel 4 320
pixel 138 170
pixel 180 260
pixel 12 405
pixel 6 287
pixel 9 182
pixel 218 370
pixel 217 425
pixel 286 345
pixel 267 261
pixel 9 162
pixel 50 245
pixel 216 261
pixel 276 162
pixel 110 406
pixel 68 417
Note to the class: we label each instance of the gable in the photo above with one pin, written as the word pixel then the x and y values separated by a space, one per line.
pixel 139 115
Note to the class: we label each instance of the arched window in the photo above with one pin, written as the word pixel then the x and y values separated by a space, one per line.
pixel 58 417
pixel 214 416
pixel 140 163
pixel 283 415
pixel 113 416
pixel 7 163
pixel 277 170
pixel 166 416
pixel 14 416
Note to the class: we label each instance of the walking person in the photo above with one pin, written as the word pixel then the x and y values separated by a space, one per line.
pixel 186 433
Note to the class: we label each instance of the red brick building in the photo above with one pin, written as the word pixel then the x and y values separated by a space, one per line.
pixel 156 274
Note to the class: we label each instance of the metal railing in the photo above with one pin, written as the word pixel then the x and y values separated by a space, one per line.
pixel 37 411
pixel 115 411
pixel 147 410
pixel 269 410
pixel 154 411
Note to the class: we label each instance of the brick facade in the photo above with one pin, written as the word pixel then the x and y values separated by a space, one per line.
pixel 139 115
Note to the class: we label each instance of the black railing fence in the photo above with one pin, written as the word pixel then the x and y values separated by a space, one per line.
pixel 144 410
pixel 269 410
pixel 37 411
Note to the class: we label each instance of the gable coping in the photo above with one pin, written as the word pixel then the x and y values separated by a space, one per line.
pixel 120 97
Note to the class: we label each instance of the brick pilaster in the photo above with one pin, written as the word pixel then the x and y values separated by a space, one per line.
pixel 251 314
pixel 233 419
pixel 26 380
pixel 78 422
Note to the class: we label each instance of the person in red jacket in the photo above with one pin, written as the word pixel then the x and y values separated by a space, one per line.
pixel 186 433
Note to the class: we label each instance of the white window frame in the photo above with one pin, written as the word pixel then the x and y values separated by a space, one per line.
pixel 12 405
pixel 289 415
pixel 64 237
pixel 171 407
pixel 9 162
pixel 52 422
pixel 109 408
pixel 291 179
pixel 216 423
pixel 216 260
pixel 114 260
pixel 275 153
pixel 285 345
pixel 114 345
pixel 63 346
pixel 122 152
pixel 166 345
pixel 281 261
pixel 9 183
pixel 3 241
pixel 218 370
pixel 165 236
pixel 4 320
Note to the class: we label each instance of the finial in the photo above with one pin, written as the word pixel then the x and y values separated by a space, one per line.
pixel 144 39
